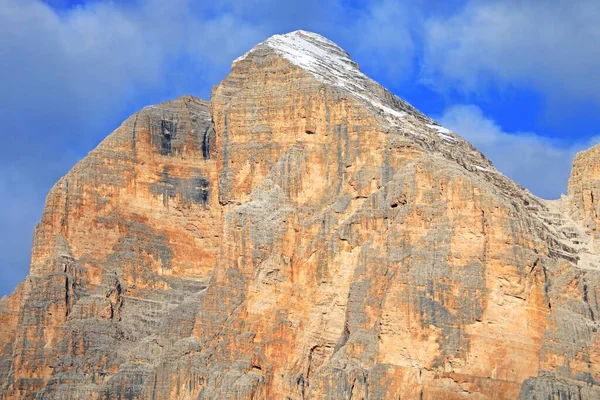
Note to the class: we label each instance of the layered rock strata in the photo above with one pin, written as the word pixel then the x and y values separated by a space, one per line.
pixel 306 235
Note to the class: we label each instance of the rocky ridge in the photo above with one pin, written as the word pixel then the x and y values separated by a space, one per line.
pixel 306 234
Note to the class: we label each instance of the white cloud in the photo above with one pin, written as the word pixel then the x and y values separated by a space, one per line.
pixel 538 163
pixel 240 38
pixel 99 55
pixel 383 36
pixel 552 46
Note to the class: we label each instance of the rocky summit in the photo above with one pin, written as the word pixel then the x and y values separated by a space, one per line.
pixel 305 235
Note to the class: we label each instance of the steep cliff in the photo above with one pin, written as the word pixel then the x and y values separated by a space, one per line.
pixel 307 234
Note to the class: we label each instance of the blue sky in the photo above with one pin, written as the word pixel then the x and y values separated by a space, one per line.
pixel 516 78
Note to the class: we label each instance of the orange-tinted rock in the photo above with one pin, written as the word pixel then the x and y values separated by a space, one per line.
pixel 129 235
pixel 312 236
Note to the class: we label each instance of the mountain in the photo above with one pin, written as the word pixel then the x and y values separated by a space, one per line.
pixel 305 235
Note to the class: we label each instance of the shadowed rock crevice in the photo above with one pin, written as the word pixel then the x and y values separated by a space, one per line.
pixel 195 189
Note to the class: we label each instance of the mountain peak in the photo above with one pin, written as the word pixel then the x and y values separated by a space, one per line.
pixel 331 64
pixel 306 49
pixel 306 234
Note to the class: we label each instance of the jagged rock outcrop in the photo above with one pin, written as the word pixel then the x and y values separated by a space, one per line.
pixel 307 234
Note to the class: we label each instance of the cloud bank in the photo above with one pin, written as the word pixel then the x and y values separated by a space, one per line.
pixel 551 46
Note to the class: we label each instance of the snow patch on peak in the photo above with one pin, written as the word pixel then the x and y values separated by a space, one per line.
pixel 329 63
pixel 443 133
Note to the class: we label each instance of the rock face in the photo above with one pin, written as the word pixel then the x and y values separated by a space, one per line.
pixel 306 235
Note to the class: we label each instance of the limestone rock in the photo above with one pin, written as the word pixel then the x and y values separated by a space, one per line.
pixel 306 235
